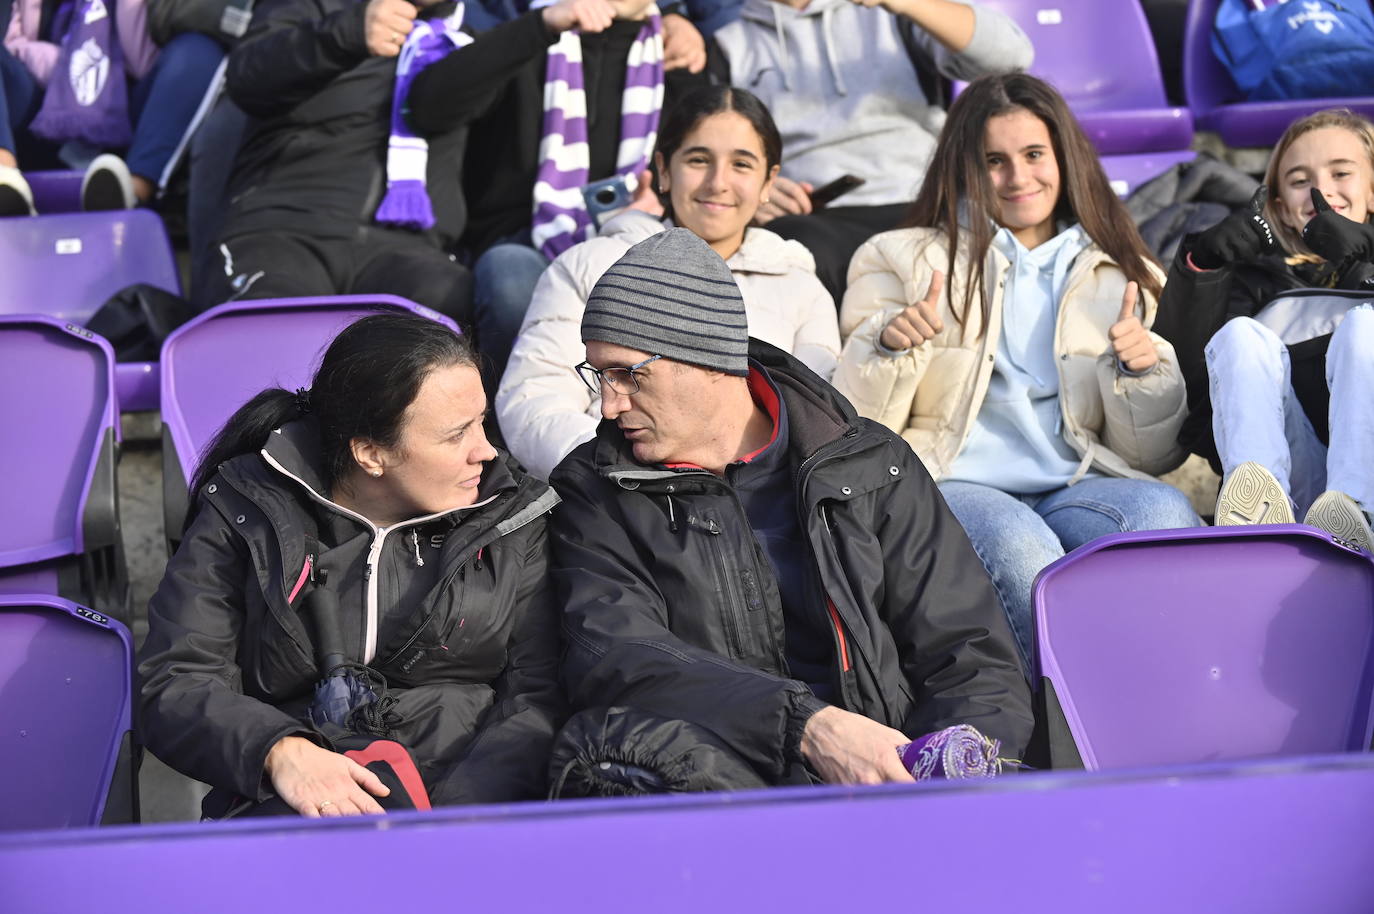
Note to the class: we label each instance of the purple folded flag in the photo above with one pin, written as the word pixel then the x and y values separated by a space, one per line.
pixel 952 753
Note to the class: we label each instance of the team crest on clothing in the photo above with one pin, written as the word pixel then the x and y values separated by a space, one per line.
pixel 89 69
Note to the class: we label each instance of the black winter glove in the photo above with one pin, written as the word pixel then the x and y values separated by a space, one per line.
pixel 1244 235
pixel 1335 238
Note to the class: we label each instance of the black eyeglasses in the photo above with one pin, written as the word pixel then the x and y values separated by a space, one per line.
pixel 620 380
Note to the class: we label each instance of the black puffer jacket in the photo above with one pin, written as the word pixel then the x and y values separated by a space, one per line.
pixel 1195 304
pixel 314 161
pixel 687 624
pixel 465 632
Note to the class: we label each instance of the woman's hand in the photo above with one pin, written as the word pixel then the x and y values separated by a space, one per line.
pixel 916 323
pixel 1130 340
pixel 386 23
pixel 316 782
pixel 683 46
pixel 1241 236
pixel 645 199
pixel 1335 238
pixel 787 198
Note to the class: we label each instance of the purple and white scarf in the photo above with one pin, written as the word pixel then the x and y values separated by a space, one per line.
pixel 954 752
pixel 407 203
pixel 560 214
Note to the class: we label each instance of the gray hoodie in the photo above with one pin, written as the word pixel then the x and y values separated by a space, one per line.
pixel 844 91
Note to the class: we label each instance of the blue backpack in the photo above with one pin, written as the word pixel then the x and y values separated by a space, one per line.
pixel 1297 48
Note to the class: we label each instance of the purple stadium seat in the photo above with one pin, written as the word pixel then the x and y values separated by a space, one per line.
pixel 1213 644
pixel 65 684
pixel 67 265
pixel 213 364
pixel 1102 59
pixel 1215 100
pixel 57 468
pixel 55 191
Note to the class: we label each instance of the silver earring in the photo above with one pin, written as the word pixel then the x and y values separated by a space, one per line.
pixel 376 474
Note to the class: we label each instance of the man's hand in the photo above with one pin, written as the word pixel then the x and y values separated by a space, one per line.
pixel 1334 237
pixel 587 15
pixel 316 782
pixel 386 23
pixel 916 323
pixel 683 45
pixel 847 748
pixel 1130 340
pixel 787 198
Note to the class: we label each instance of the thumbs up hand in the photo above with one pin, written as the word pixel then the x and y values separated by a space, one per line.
pixel 1243 235
pixel 1336 238
pixel 1130 340
pixel 916 323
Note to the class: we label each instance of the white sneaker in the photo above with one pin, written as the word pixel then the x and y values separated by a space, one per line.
pixel 107 184
pixel 1341 516
pixel 16 198
pixel 1251 495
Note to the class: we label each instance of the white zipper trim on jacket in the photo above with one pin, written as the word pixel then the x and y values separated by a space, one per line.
pixel 374 551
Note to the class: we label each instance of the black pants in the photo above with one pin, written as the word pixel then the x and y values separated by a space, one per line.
pixel 377 261
pixel 833 235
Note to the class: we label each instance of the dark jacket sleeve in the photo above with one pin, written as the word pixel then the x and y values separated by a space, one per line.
pixel 460 87
pixel 953 640
pixel 293 49
pixel 1192 307
pixel 193 714
pixel 508 758
pixel 620 650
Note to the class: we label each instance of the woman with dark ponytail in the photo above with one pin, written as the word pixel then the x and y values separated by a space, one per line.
pixel 376 487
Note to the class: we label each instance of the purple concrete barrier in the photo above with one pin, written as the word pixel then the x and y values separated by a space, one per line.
pixel 1292 835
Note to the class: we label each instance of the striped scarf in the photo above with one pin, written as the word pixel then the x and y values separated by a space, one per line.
pixel 407 204
pixel 560 214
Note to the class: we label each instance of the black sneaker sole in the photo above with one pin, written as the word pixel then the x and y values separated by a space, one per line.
pixel 102 192
pixel 12 202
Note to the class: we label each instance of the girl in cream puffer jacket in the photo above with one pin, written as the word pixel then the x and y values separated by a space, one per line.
pixel 1031 388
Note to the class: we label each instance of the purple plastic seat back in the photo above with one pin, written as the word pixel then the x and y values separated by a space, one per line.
pixel 67 265
pixel 1211 644
pixel 1215 101
pixel 58 414
pixel 65 675
pixel 215 363
pixel 55 191
pixel 1100 56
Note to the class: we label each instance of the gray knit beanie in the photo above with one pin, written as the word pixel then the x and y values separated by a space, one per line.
pixel 671 295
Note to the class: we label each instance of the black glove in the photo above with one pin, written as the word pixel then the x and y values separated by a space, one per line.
pixel 1335 238
pixel 1244 235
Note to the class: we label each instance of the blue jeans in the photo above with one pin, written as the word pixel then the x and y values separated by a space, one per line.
pixel 1017 535
pixel 20 96
pixel 165 100
pixel 503 282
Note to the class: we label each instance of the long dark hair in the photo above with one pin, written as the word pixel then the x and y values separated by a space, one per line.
pixel 367 379
pixel 699 104
pixel 959 172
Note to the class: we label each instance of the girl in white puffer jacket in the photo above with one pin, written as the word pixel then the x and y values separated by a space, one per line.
pixel 717 154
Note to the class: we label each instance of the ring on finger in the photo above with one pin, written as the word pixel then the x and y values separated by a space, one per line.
pixel 325 805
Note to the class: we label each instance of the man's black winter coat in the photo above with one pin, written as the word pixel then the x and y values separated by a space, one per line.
pixel 687 624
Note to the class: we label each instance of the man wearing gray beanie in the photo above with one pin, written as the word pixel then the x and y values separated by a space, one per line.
pixel 760 586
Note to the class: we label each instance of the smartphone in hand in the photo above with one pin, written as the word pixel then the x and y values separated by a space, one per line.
pixel 829 193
